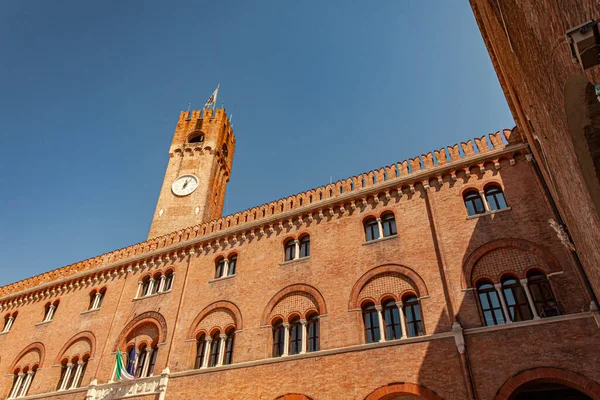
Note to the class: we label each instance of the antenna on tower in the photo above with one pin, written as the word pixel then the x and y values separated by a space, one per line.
pixel 189 107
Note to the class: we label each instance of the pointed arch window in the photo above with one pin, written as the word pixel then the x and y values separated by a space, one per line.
pixel 516 300
pixel 543 297
pixel 490 304
pixel 495 197
pixel 391 317
pixel 473 202
pixel 371 322
pixel 412 313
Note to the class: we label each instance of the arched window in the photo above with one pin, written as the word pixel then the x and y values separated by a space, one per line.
pixel 371 322
pixel 71 372
pixel 305 246
pixel 313 332
pixel 473 202
pixel 146 286
pixel 22 382
pixel 295 336
pixel 412 313
pixel 290 250
pixel 232 265
pixel 543 298
pixel 200 351
pixel 225 150
pixel 92 299
pixel 63 373
pixel 490 304
pixel 197 138
pixel 141 361
pixel 50 310
pixel 371 229
pixel 9 320
pixel 391 316
pixel 81 371
pixel 516 299
pixel 156 284
pixel 229 347
pixel 278 339
pixel 214 350
pixel 169 281
pixel 389 224
pixel 152 362
pixel 131 360
pixel 495 197
pixel 219 267
pixel 96 299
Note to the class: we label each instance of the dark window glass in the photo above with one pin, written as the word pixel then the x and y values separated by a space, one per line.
pixel 72 376
pixel 295 336
pixel 63 370
pixel 145 286
pixel 371 322
pixel 197 139
pixel 371 229
pixel 229 348
pixel 495 198
pixel 83 367
pixel 391 316
pixel 131 361
pixel 214 350
pixel 169 281
pixel 305 246
pixel 278 339
pixel 152 361
pixel 92 298
pixel 15 379
pixel 473 203
pixel 200 349
pixel 140 362
pixel 516 300
pixel 490 304
pixel 543 298
pixel 156 284
pixel 313 332
pixel 232 265
pixel 389 225
pixel 290 250
pixel 225 151
pixel 219 268
pixel 414 320
pixel 101 299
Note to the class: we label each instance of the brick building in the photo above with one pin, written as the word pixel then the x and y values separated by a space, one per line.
pixel 438 277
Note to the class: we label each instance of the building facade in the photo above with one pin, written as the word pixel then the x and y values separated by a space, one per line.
pixel 438 277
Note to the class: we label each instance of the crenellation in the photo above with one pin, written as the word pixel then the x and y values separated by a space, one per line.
pixel 454 152
pixel 427 160
pixel 482 144
pixel 440 156
pixel 467 148
pixel 415 164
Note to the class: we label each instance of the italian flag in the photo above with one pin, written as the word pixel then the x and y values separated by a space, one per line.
pixel 121 371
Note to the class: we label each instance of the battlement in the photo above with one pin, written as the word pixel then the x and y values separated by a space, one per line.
pixel 420 169
pixel 203 120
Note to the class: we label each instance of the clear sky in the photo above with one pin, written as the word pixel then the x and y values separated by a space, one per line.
pixel 90 93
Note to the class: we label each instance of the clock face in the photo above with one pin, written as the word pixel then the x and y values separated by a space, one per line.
pixel 184 185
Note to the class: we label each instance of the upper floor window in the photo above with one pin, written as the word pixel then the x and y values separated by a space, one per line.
pixel 71 374
pixel 473 202
pixel 389 224
pixel 50 310
pixel 141 360
pixel 295 336
pixel 313 332
pixel 495 197
pixel 225 150
pixel 414 320
pixel 304 246
pixel 229 347
pixel 278 338
pixel 9 320
pixel 169 276
pixel 516 300
pixel 22 381
pixel 295 249
pixel 96 298
pixel 290 250
pixel 196 137
pixel 371 229
pixel 225 266
pixel 214 350
pixel 159 283
pixel 541 292
pixel 391 317
pixel 490 304
pixel 371 321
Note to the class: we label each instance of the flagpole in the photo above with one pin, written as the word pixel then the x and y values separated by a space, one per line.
pixel 215 101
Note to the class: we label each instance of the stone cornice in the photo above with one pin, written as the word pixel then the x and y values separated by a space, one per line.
pixel 183 242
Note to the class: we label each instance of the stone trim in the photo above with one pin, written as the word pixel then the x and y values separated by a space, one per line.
pixel 224 304
pixel 300 287
pixel 298 260
pixel 382 239
pixel 485 214
pixel 531 322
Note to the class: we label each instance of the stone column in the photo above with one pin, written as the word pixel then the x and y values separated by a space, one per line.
pixel 139 290
pixel 380 227
pixel 65 382
pixel 162 384
pixel 161 286
pixel 381 323
pixel 225 267
pixel 146 362
pixel 27 383
pixel 400 306
pixel 304 336
pixel 208 341
pixel 151 286
pixel 80 364
pixel 91 392
pixel 286 340
pixel 484 200
pixel 8 324
pixel 498 287
pixel 222 342
pixel 96 301
pixel 525 285
pixel 50 313
pixel 137 360
pixel 296 249
pixel 18 383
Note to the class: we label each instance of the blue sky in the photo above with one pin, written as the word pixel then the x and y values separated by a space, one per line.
pixel 91 93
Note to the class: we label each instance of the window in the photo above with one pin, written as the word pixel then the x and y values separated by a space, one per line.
pixel 290 250
pixel 543 298
pixel 389 225
pixel 473 203
pixel 22 382
pixel 9 320
pixel 278 339
pixel 141 361
pixel 232 265
pixel 229 347
pixel 371 322
pixel 155 285
pixel 516 300
pixel 96 298
pixel 214 350
pixel 219 268
pixel 305 246
pixel 371 229
pixel 200 350
pixel 412 312
pixel 146 286
pixel 295 336
pixel 225 151
pixel 313 332
pixel 71 373
pixel 490 304
pixel 81 371
pixel 169 281
pixel 152 362
pixel 495 197
pixel 49 311
pixel 391 316
pixel 197 138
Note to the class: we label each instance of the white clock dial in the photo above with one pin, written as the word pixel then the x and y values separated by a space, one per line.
pixel 184 185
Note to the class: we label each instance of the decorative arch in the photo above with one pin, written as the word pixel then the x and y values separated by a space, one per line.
pixel 293 396
pixel 397 268
pixel 301 287
pixel 36 347
pixel 151 317
pixel 564 377
pixel 223 304
pixel 393 390
pixel 548 262
pixel 81 336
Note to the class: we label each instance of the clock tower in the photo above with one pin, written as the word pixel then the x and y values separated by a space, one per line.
pixel 199 168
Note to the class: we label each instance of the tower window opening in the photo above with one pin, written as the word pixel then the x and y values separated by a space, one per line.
pixel 196 138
